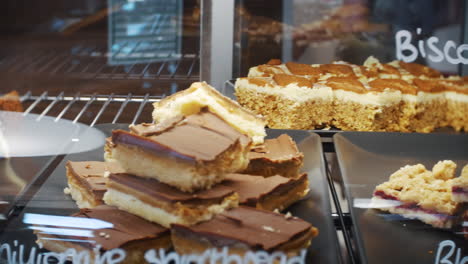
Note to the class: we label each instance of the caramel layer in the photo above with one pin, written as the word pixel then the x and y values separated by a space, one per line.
pixel 90 175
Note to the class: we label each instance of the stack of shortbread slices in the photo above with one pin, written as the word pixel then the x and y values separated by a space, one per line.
pixel 202 165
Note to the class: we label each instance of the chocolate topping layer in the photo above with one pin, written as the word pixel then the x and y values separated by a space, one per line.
pixel 253 188
pixel 155 129
pixel 91 174
pixel 200 137
pixel 154 188
pixel 277 149
pixel 127 227
pixel 258 229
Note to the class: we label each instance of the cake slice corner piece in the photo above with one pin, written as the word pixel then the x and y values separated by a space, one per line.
pixel 200 95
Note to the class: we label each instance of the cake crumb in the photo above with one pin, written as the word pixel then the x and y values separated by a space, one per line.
pixel 107 236
pixel 66 190
pixel 88 166
pixel 102 234
pixel 268 228
pixel 288 215
pixel 276 211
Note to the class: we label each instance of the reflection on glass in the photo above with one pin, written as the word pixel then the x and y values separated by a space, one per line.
pixel 144 30
pixel 63 231
pixel 66 221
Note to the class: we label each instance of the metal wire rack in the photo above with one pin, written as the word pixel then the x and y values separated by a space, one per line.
pixel 118 109
pixel 91 62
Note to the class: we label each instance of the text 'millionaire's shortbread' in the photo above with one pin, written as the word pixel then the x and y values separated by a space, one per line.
pixel 375 96
pixel 278 156
pixel 129 232
pixel 243 229
pixel 160 203
pixel 87 182
pixel 199 96
pixel 189 153
pixel 417 193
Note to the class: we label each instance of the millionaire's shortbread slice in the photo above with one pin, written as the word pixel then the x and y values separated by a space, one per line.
pixel 460 186
pixel 270 193
pixel 189 153
pixel 121 230
pixel 200 95
pixel 277 156
pixel 87 181
pixel 245 229
pixel 160 203
pixel 417 193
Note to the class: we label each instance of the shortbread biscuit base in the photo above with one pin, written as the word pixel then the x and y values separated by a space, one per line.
pixel 179 214
pixel 201 95
pixel 82 197
pixel 135 251
pixel 283 113
pixel 184 175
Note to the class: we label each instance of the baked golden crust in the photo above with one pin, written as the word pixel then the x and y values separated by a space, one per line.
pixel 376 96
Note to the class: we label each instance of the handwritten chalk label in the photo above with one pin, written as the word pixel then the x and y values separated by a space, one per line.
pixel 448 253
pixel 408 52
pixel 15 254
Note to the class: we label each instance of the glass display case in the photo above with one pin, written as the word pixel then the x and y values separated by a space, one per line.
pixel 74 73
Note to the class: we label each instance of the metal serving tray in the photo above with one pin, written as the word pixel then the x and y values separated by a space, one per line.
pixel 368 159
